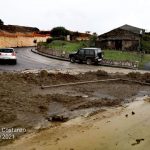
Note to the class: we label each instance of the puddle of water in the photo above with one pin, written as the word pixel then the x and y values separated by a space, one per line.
pixel 140 96
pixel 100 95
pixel 83 112
pixel 56 108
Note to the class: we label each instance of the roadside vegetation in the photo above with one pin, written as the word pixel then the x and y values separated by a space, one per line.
pixel 145 43
pixel 66 46
pixel 127 56
pixel 69 46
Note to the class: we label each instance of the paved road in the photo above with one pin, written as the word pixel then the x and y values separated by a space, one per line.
pixel 147 66
pixel 28 60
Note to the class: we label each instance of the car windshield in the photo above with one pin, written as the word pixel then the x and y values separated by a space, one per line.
pixel 6 50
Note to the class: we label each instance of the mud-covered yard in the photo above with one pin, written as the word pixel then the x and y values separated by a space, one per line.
pixel 23 104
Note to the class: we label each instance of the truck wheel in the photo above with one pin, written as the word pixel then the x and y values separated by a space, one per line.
pixel 88 61
pixel 72 60
pixel 80 62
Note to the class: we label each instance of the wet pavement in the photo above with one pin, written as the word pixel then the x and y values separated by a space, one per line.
pixel 147 66
pixel 28 60
pixel 31 62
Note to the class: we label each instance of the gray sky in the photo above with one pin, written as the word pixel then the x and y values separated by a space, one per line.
pixel 78 15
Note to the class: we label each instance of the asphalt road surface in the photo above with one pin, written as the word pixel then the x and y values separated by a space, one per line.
pixel 147 66
pixel 27 60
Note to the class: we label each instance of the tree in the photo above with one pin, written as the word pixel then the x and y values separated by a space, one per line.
pixel 1 22
pixel 59 32
pixel 93 39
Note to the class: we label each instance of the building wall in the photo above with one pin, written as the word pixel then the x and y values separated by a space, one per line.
pixel 82 38
pixel 20 41
pixel 130 45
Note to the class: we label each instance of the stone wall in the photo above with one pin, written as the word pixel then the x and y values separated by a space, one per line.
pixel 125 64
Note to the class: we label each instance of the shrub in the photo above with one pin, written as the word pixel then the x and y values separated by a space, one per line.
pixel 49 40
pixel 1 23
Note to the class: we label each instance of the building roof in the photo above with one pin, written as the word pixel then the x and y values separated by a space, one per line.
pixel 117 33
pixel 132 29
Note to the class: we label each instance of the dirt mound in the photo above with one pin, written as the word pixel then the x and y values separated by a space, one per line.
pixel 140 77
pixel 42 78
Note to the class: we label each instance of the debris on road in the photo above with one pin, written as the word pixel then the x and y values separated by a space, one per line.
pixel 138 141
pixel 57 118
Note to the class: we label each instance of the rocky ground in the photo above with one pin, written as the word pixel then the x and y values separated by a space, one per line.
pixel 23 104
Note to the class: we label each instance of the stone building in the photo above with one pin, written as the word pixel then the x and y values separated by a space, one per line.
pixel 78 36
pixel 125 37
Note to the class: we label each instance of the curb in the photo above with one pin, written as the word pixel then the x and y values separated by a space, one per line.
pixel 49 56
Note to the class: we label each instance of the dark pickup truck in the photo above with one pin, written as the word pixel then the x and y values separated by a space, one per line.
pixel 88 55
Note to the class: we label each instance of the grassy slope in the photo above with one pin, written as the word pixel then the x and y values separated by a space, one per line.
pixel 119 55
pixel 66 46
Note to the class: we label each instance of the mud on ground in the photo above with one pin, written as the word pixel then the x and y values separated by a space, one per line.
pixel 24 104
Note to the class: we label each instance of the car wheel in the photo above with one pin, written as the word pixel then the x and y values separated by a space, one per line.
pixel 72 60
pixel 88 61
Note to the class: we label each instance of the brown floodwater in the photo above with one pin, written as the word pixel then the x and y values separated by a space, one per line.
pixel 123 128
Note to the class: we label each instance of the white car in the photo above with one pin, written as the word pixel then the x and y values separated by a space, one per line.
pixel 8 54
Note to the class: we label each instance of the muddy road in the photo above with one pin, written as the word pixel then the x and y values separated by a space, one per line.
pixel 23 104
pixel 108 130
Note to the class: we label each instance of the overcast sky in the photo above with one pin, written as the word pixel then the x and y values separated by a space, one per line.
pixel 78 15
